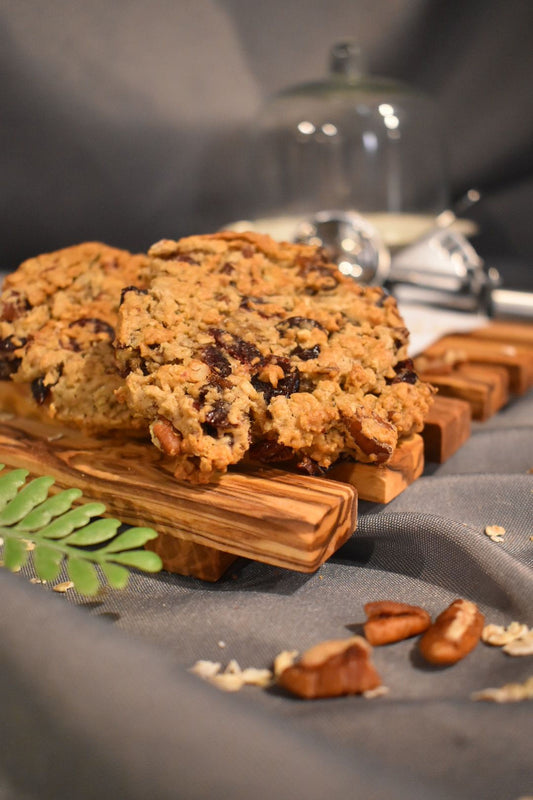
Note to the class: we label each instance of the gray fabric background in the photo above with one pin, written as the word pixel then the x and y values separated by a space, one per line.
pixel 129 121
pixel 125 122
pixel 97 700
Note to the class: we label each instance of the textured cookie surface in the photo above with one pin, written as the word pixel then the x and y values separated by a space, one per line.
pixel 58 313
pixel 245 347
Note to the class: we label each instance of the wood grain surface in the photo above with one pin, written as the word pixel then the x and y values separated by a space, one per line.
pixel 447 427
pixel 517 359
pixel 381 483
pixel 292 521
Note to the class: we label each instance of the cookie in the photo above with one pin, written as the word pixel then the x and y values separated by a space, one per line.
pixel 242 348
pixel 58 313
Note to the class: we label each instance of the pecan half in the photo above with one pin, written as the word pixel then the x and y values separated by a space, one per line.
pixel 391 622
pixel 331 669
pixel 454 634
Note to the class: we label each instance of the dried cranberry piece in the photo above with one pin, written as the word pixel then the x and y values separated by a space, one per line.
pixel 401 338
pixel 288 385
pixel 39 390
pixel 73 345
pixel 306 353
pixel 218 415
pixel 177 257
pixel 245 352
pixel 98 325
pixel 187 259
pixel 380 301
pixel 8 345
pixel 316 266
pixel 219 383
pixel 249 303
pixel 8 367
pixel 405 372
pixel 216 360
pixel 217 419
pixel 216 382
pixel 305 323
pixel 127 289
pixel 311 467
pixel 270 452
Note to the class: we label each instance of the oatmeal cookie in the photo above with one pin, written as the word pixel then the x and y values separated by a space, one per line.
pixel 245 347
pixel 58 314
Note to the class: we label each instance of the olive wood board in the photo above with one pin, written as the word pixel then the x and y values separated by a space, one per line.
pixel 516 359
pixel 446 428
pixel 475 374
pixel 271 515
pixel 292 521
pixel 381 483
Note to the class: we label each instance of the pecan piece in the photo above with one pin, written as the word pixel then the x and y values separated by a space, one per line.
pixel 391 622
pixel 331 669
pixel 372 435
pixel 14 308
pixel 306 353
pixel 165 436
pixel 454 634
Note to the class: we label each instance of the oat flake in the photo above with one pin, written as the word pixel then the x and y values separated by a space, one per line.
pixel 499 635
pixel 509 693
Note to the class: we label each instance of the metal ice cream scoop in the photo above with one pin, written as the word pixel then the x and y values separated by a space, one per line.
pixel 441 268
pixel 350 241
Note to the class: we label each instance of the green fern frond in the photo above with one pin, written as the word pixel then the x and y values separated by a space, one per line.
pixel 51 532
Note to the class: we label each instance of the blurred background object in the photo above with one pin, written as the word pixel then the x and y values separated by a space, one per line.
pixel 351 241
pixel 351 141
pixel 128 121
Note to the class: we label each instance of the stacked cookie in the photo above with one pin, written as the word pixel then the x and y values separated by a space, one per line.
pixel 222 347
pixel 58 314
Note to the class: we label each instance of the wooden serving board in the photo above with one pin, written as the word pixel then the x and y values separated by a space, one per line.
pixel 270 515
pixel 292 521
pixel 475 374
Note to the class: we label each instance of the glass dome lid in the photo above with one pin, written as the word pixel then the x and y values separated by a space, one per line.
pixel 350 141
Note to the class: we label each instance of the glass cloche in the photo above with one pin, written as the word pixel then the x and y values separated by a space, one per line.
pixel 350 142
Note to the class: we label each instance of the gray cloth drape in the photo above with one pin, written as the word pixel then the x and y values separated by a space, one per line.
pixel 97 699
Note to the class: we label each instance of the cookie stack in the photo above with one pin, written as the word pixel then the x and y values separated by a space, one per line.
pixel 221 348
